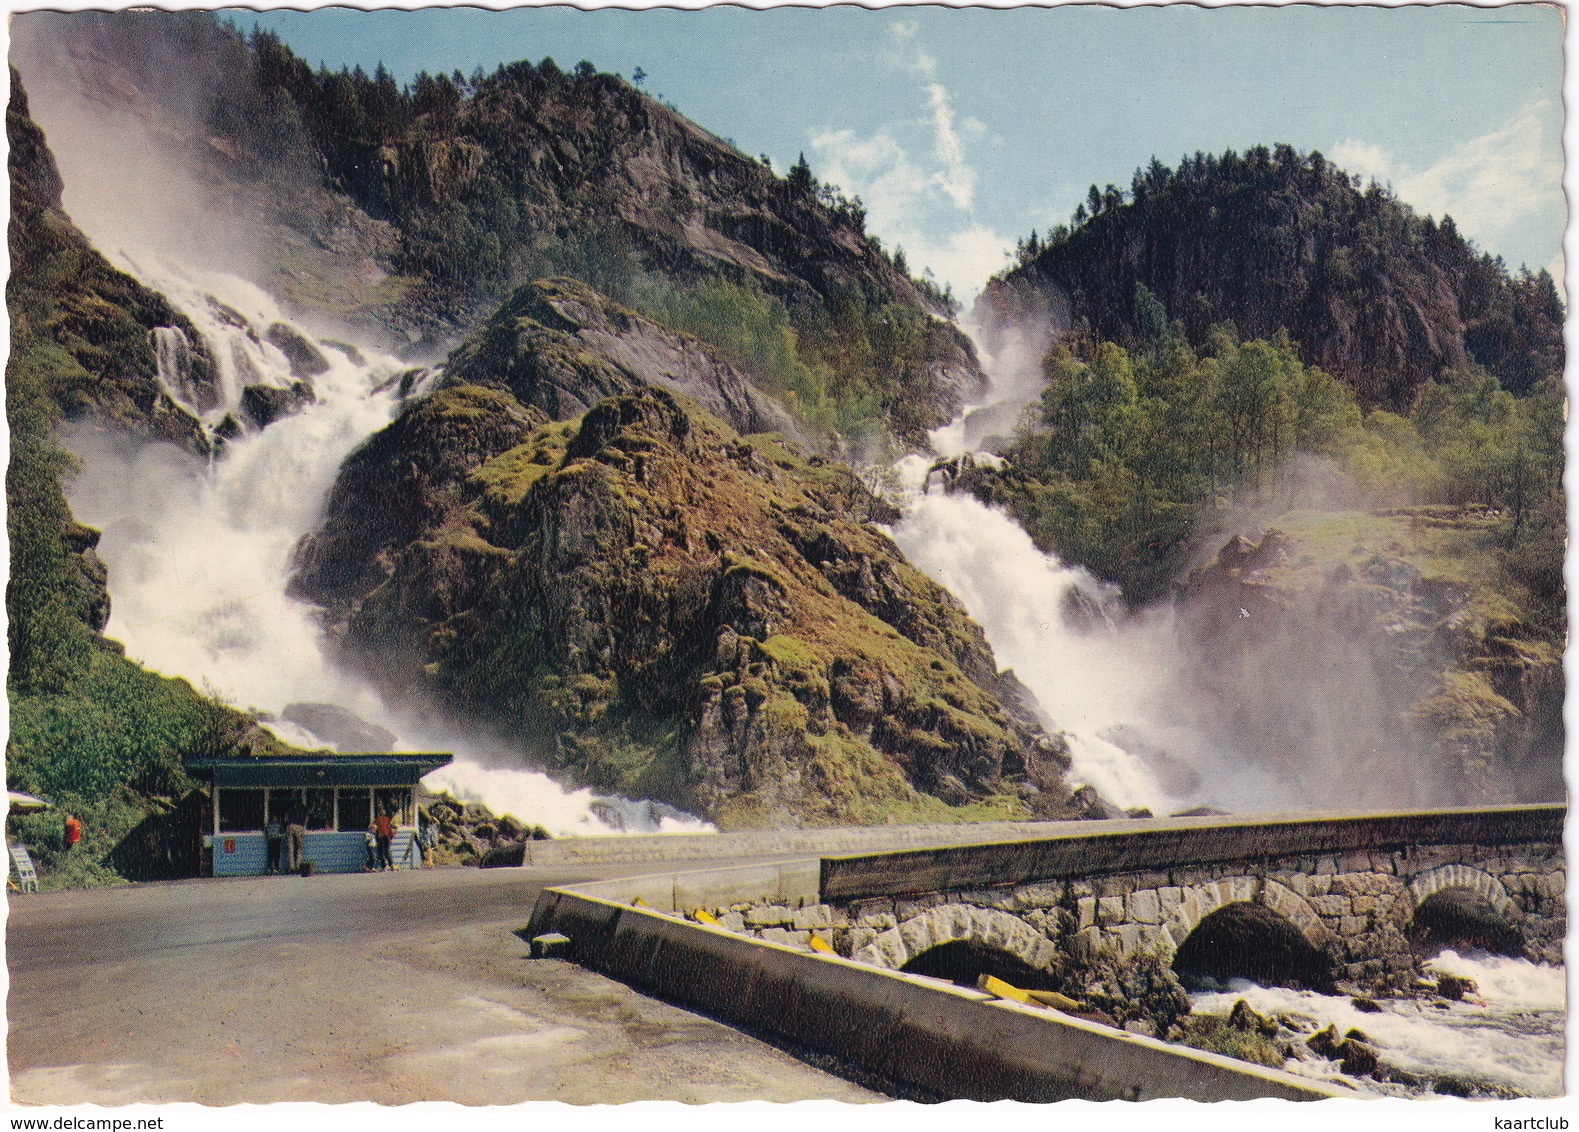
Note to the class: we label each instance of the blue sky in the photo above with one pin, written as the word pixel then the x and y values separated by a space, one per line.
pixel 964 129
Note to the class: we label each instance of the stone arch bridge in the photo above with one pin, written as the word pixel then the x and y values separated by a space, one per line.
pixel 1360 893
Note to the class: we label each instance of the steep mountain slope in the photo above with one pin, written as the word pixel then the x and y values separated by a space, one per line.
pixel 63 294
pixel 419 210
pixel 1270 240
pixel 100 735
pixel 656 603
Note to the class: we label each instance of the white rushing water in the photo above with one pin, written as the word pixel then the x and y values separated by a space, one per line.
pixel 199 552
pixel 1103 679
pixel 1509 1033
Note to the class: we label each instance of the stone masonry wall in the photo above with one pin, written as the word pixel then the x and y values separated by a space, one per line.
pixel 1354 907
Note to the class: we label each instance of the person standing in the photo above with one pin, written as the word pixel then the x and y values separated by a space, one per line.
pixel 295 835
pixel 428 836
pixel 73 832
pixel 274 835
pixel 384 833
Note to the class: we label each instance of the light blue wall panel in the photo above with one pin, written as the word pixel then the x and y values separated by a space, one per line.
pixel 328 851
pixel 336 852
pixel 239 854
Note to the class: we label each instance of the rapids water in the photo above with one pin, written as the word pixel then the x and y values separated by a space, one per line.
pixel 199 552
pixel 1508 1035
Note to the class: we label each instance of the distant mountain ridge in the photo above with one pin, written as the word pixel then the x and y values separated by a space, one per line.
pixel 1274 239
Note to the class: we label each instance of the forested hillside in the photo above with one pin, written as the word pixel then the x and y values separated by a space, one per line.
pixel 1270 240
pixel 1326 561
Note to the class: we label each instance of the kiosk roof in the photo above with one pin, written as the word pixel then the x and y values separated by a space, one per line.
pixel 372 769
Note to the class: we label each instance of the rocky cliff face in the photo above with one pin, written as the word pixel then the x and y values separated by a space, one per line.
pixel 1376 657
pixel 62 293
pixel 417 210
pixel 1374 293
pixel 654 603
pixel 559 346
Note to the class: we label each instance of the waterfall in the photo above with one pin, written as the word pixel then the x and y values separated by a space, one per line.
pixel 1106 680
pixel 199 552
pixel 174 354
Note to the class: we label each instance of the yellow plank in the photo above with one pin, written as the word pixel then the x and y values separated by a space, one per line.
pixel 1029 997
pixel 1056 1001
pixel 703 916
pixel 818 944
pixel 1004 990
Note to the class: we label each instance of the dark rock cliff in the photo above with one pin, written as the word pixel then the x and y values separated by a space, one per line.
pixel 1373 292
pixel 416 210
pixel 654 603
pixel 65 293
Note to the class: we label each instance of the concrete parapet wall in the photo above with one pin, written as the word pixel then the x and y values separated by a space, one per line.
pixel 945 1039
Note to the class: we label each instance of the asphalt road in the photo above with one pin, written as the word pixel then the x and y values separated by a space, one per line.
pixel 391 987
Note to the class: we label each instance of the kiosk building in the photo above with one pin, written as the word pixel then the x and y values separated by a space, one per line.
pixel 335 795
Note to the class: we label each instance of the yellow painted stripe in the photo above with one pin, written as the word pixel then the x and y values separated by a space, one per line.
pixel 1028 997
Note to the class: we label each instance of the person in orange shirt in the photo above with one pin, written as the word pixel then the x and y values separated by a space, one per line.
pixel 73 832
pixel 383 833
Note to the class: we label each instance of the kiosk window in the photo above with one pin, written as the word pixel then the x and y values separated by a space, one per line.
pixel 394 801
pixel 354 810
pixel 285 804
pixel 240 811
pixel 320 807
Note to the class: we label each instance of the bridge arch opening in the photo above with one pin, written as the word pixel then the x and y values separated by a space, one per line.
pixel 964 961
pixel 1250 941
pixel 1464 920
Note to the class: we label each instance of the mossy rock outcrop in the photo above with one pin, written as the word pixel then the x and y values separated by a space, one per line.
pixel 561 347
pixel 652 603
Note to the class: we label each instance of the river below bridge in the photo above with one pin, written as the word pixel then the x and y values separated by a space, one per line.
pixel 1505 1038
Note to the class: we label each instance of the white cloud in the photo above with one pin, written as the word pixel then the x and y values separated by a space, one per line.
pixel 1491 185
pixel 1363 158
pixel 877 168
pixel 957 179
pixel 910 54
pixel 919 195
pixel 904 208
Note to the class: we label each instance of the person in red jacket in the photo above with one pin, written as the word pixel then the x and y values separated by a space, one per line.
pixel 73 832
pixel 383 832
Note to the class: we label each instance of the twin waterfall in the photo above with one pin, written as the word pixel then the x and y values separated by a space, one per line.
pixel 199 555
